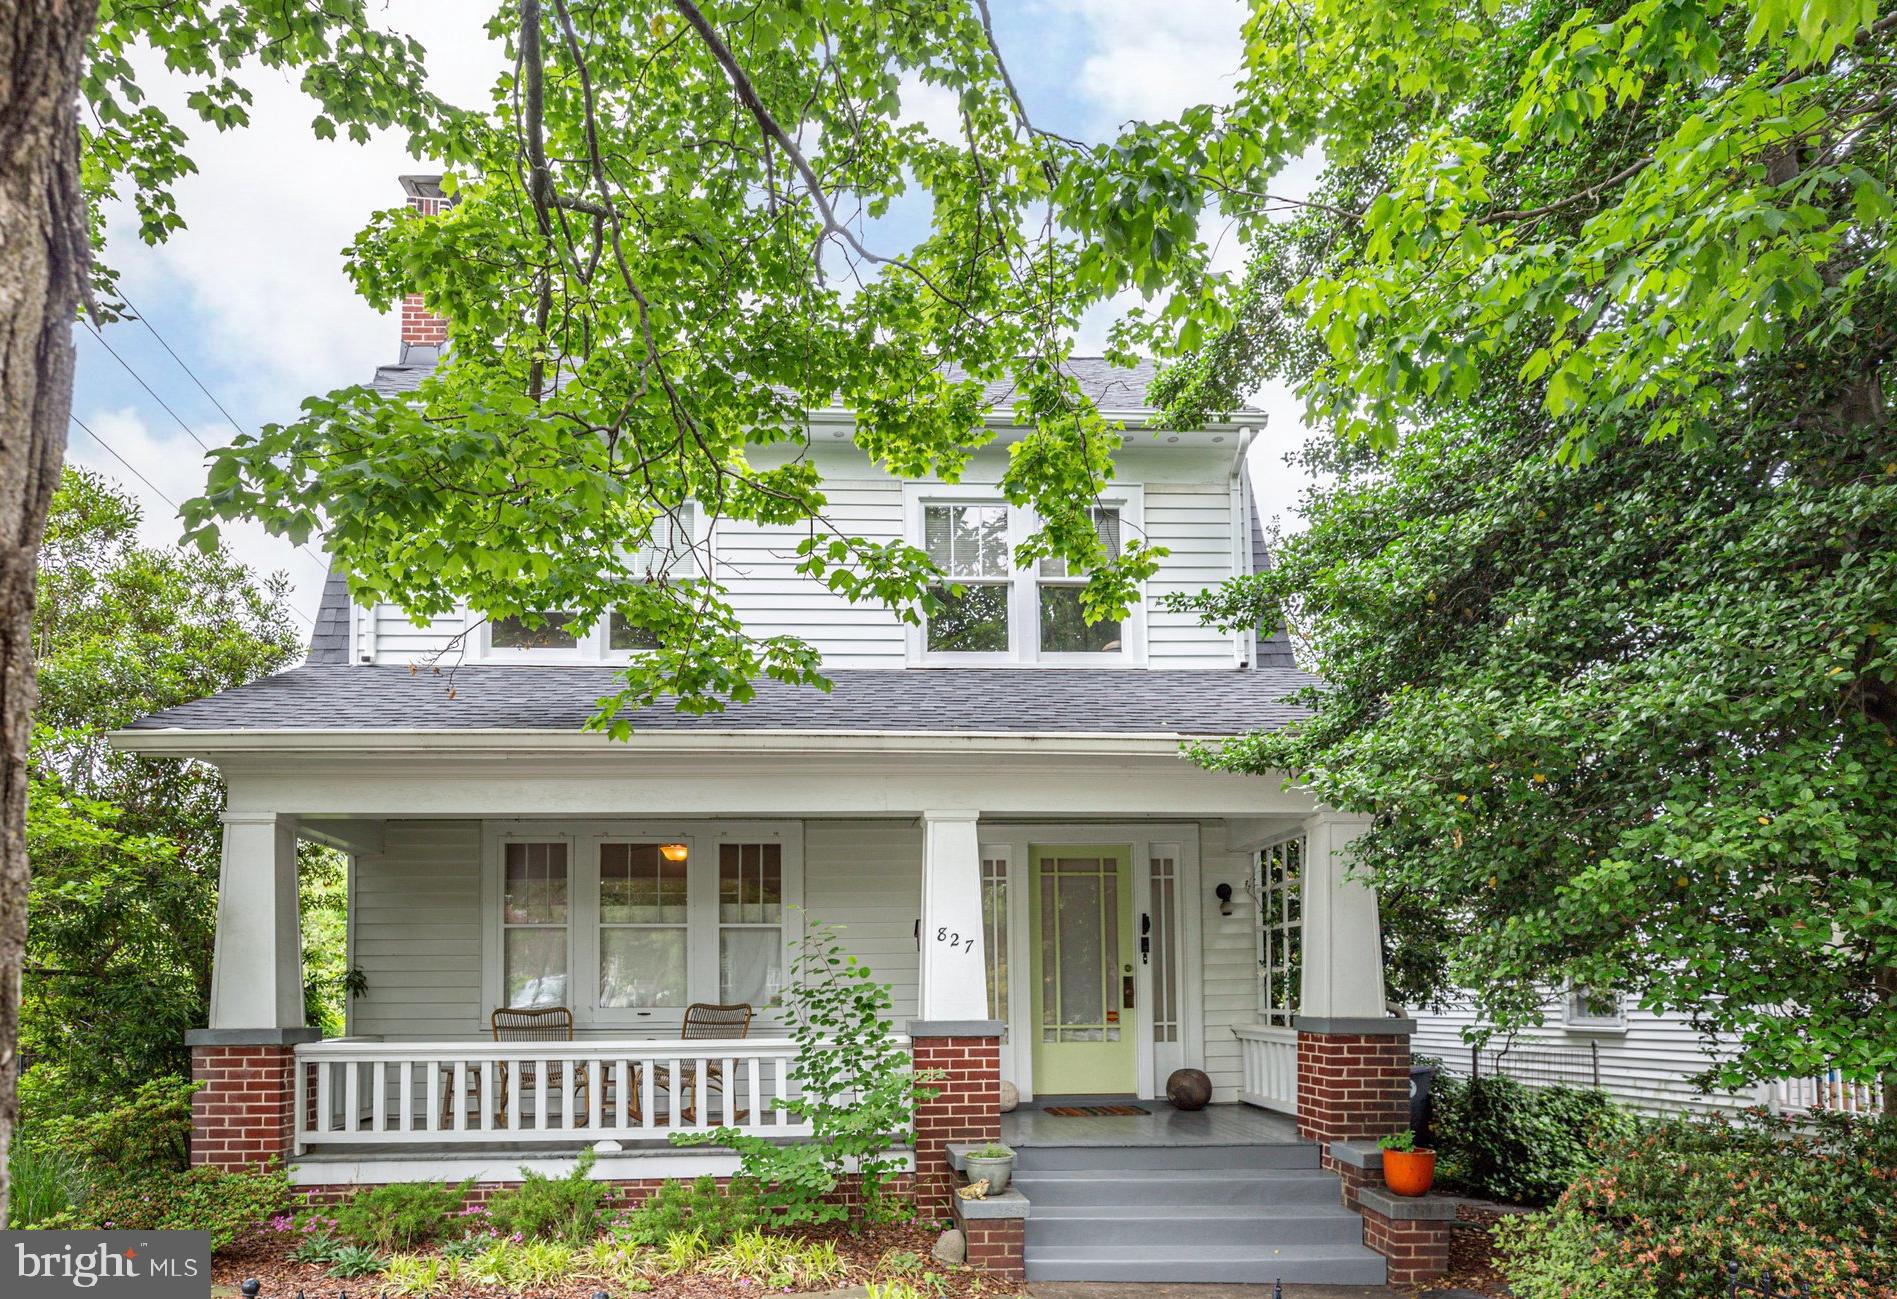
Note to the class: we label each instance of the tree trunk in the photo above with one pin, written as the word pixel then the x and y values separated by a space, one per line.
pixel 43 267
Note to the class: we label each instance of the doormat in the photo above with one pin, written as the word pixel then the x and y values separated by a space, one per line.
pixel 1094 1111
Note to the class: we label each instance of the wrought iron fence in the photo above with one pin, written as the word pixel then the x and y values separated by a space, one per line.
pixel 1536 1063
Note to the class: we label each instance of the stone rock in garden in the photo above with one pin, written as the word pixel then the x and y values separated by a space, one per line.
pixel 1010 1096
pixel 952 1248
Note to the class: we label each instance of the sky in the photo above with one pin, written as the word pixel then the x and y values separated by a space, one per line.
pixel 247 311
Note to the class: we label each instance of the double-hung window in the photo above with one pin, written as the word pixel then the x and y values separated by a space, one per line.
pixel 676 550
pixel 1279 889
pixel 991 612
pixel 628 925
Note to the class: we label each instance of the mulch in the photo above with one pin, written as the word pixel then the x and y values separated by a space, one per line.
pixel 1472 1258
pixel 263 1254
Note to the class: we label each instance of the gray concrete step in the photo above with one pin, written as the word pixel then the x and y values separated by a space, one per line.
pixel 1199 1224
pixel 1130 1158
pixel 1231 1264
pixel 1180 1186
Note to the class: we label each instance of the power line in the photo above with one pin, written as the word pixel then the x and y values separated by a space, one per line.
pixel 193 433
pixel 145 320
pixel 133 470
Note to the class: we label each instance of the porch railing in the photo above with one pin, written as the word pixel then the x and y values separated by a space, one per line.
pixel 1829 1092
pixel 427 1093
pixel 1269 1059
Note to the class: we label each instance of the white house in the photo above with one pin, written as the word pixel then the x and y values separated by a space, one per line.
pixel 999 820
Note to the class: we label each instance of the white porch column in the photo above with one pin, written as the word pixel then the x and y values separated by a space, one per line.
pixel 1343 942
pixel 954 974
pixel 257 971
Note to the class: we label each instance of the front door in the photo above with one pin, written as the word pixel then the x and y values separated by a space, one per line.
pixel 1085 1042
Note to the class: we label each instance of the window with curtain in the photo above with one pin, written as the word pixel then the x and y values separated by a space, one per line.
pixel 1280 893
pixel 644 911
pixel 534 923
pixel 994 932
pixel 750 923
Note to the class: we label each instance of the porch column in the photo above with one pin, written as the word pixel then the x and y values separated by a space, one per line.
pixel 1353 1058
pixel 242 1114
pixel 956 1046
pixel 954 973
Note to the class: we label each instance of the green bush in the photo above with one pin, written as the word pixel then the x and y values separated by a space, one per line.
pixel 148 1133
pixel 1522 1144
pixel 676 1208
pixel 201 1199
pixel 857 1091
pixel 571 1209
pixel 40 1183
pixel 401 1215
pixel 1812 1204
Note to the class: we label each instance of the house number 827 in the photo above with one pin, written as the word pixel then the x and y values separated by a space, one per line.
pixel 955 941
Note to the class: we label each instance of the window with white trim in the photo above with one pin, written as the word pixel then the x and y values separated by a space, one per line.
pixel 673 552
pixel 534 913
pixel 990 612
pixel 628 925
pixel 1594 1009
pixel 1279 889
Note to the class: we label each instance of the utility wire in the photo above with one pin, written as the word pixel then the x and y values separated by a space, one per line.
pixel 133 470
pixel 145 320
pixel 193 433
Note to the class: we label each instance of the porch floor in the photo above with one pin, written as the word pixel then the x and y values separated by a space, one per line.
pixel 1215 1125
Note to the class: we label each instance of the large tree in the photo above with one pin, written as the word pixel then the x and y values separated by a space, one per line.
pixel 126 850
pixel 1594 312
pixel 681 226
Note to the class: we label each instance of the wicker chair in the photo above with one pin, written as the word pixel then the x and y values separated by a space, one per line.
pixel 706 1020
pixel 537 1024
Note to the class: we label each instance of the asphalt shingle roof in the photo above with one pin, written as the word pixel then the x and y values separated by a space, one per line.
pixel 1019 701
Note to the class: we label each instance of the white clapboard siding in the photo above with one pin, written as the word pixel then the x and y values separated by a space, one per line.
pixel 1230 952
pixel 865 878
pixel 390 636
pixel 1194 522
pixel 759 565
pixel 1648 1066
pixel 415 925
pixel 416 921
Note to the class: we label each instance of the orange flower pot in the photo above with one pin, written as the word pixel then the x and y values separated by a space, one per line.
pixel 1409 1172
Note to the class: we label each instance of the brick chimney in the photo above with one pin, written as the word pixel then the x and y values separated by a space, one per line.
pixel 420 326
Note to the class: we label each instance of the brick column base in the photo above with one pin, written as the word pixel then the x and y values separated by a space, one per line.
pixel 1353 1079
pixel 964 1057
pixel 996 1245
pixel 242 1115
pixel 1411 1234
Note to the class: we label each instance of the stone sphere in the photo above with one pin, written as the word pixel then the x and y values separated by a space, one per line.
pixel 1010 1096
pixel 1188 1089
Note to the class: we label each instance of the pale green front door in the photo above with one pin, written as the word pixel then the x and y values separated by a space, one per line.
pixel 1085 1042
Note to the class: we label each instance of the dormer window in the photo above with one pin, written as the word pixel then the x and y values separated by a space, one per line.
pixel 1001 615
pixel 676 551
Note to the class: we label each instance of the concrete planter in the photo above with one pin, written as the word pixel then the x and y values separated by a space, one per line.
pixel 997 1169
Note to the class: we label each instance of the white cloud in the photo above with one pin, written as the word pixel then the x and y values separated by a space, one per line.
pixel 1153 58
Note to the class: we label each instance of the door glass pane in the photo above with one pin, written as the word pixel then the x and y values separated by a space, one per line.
pixel 994 928
pixel 974 622
pixel 641 967
pixel 1082 992
pixel 750 966
pixel 534 962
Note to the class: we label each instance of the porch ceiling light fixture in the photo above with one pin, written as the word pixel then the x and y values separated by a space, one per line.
pixel 674 851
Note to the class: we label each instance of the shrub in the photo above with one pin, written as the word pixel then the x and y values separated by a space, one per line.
pixel 699 1206
pixel 200 1199
pixel 400 1215
pixel 40 1184
pixel 1813 1204
pixel 352 1261
pixel 856 1090
pixel 1522 1144
pixel 531 1263
pixel 570 1208
pixel 148 1133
